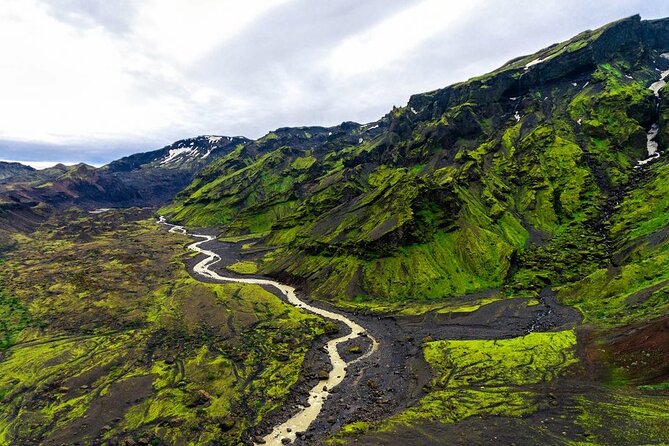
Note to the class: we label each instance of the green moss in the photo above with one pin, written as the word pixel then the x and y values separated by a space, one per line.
pixel 656 387
pixel 645 210
pixel 14 318
pixel 244 267
pixel 484 377
pixel 480 377
pixel 303 163
pixel 141 323
pixel 624 419
pixel 637 292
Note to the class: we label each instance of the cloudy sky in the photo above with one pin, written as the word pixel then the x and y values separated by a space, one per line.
pixel 92 80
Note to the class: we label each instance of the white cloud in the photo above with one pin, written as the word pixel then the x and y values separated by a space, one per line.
pixel 392 39
pixel 184 31
pixel 61 83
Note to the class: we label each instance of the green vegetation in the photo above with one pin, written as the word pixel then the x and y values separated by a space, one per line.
pixel 449 306
pixel 645 210
pixel 108 333
pixel 486 376
pixel 13 318
pixel 505 210
pixel 244 267
pixel 483 377
pixel 633 293
pixel 624 419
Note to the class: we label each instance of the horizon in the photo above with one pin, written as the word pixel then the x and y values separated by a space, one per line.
pixel 294 65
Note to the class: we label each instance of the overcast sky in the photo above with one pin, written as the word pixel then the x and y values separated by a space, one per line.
pixel 92 80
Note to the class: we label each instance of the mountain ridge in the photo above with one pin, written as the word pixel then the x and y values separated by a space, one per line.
pixel 480 163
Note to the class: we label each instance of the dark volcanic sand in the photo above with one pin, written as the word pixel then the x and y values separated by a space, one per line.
pixel 393 378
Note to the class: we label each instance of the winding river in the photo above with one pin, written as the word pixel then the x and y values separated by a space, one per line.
pixel 301 421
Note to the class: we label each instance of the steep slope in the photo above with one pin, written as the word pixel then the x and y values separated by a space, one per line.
pixel 507 179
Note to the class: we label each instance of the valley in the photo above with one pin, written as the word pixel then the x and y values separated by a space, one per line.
pixel 488 264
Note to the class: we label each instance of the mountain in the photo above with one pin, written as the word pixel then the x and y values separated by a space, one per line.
pixel 499 250
pixel 145 179
pixel 544 182
pixel 189 154
pixel 510 179
pixel 10 170
pixel 157 176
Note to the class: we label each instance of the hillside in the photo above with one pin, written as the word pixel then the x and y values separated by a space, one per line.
pixel 9 170
pixel 507 180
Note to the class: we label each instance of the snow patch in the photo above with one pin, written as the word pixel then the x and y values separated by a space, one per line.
pixel 574 84
pixel 657 86
pixel 214 139
pixel 413 110
pixel 651 146
pixel 359 140
pixel 580 121
pixel 372 128
pixel 174 153
pixel 647 160
pixel 628 76
pixel 99 211
pixel 534 62
pixel 586 84
pixel 517 116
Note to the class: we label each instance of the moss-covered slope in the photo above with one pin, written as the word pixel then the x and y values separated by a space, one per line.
pixel 507 179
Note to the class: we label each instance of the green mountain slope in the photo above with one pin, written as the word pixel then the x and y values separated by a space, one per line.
pixel 506 180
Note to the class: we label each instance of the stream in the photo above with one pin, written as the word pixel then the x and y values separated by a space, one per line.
pixel 300 422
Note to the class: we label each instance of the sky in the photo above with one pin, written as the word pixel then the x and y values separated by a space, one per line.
pixel 94 80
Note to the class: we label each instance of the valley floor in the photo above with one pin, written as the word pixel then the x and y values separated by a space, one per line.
pixel 521 375
pixel 109 339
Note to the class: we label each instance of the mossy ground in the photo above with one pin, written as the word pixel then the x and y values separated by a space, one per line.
pixel 106 336
pixel 244 267
pixel 483 378
pixel 526 387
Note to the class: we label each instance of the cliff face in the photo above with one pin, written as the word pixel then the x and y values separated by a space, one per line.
pixel 508 179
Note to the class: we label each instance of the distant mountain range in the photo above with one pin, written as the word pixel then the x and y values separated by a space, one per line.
pixel 143 180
